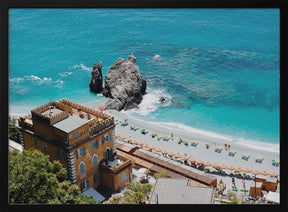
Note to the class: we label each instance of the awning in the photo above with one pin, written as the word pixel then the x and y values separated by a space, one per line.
pixel 273 197
pixel 92 192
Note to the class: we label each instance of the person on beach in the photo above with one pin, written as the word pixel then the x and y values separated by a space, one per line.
pixel 229 146
pixel 225 147
pixel 172 136
pixel 233 181
pixel 214 143
pixel 221 181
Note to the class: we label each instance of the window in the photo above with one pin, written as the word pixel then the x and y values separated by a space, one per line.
pixel 95 145
pixel 61 153
pixel 75 135
pixel 35 142
pixel 85 185
pixel 108 154
pixel 45 147
pixel 81 167
pixel 81 152
pixel 123 177
pixel 107 137
pixel 95 160
pixel 96 177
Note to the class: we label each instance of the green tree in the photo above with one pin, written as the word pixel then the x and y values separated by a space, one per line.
pixel 134 193
pixel 13 130
pixel 34 179
pixel 160 174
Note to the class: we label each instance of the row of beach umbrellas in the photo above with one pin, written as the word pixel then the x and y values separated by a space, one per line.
pixel 198 162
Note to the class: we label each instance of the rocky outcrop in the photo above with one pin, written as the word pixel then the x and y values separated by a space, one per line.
pixel 96 82
pixel 124 85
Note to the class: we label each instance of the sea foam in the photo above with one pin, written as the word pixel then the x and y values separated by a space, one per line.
pixel 150 102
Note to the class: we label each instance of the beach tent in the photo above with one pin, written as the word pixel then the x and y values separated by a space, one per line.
pixel 273 197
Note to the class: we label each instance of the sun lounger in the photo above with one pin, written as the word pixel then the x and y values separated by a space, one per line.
pixel 143 131
pixel 259 159
pixel 218 149
pixel 153 135
pixel 159 137
pixel 124 124
pixel 231 152
pixel 245 156
pixel 132 127
pixel 166 138
pixel 180 141
pixel 275 162
pixel 136 128
pixel 194 143
pixel 186 143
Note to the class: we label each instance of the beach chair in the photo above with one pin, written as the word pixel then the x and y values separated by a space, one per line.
pixel 259 159
pixel 124 124
pixel 194 143
pixel 218 149
pixel 166 138
pixel 275 162
pixel 180 141
pixel 186 143
pixel 153 135
pixel 245 156
pixel 144 131
pixel 136 128
pixel 159 137
pixel 231 152
pixel 132 127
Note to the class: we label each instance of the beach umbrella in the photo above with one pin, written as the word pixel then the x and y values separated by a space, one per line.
pixel 223 166
pixel 256 171
pixel 206 163
pixel 184 157
pixel 247 170
pixel 133 141
pixel 171 153
pixel 178 155
pixel 199 162
pixel 101 108
pixel 238 169
pixel 215 165
pixel 274 174
pixel 191 159
pixel 157 149
pixel 265 173
pixel 140 143
pixel 231 167
pixel 164 151
pixel 146 145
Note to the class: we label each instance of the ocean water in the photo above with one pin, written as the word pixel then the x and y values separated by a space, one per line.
pixel 218 69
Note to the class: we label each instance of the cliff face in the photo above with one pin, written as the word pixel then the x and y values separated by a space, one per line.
pixel 124 85
pixel 96 82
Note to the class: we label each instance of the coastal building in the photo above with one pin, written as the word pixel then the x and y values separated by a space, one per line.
pixel 82 139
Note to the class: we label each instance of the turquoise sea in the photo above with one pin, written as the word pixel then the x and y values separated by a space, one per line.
pixel 217 68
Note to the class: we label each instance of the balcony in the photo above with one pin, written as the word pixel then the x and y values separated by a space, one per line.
pixel 115 166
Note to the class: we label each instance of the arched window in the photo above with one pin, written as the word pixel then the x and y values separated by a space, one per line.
pixel 123 177
pixel 95 160
pixel 81 167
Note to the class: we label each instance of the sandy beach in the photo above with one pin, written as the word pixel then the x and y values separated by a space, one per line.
pixel 197 152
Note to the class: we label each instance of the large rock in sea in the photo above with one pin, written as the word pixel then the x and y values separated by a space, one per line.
pixel 96 82
pixel 124 84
